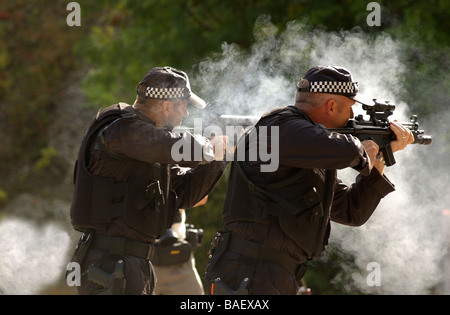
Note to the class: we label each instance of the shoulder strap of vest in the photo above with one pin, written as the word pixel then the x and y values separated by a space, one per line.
pixel 105 118
pixel 109 114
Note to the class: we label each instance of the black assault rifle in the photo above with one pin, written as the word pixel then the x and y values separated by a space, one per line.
pixel 376 128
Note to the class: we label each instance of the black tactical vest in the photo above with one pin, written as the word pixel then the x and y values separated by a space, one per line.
pixel 302 202
pixel 146 201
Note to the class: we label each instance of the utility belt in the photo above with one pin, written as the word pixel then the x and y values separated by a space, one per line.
pixel 253 251
pixel 121 246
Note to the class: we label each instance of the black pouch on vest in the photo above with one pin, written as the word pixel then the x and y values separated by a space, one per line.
pixel 309 208
pixel 84 243
pixel 303 225
pixel 82 247
pixel 218 246
pixel 152 207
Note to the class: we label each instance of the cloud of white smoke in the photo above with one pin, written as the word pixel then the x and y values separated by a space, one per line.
pixel 32 256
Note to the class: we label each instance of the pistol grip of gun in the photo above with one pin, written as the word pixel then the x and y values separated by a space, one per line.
pixel 388 155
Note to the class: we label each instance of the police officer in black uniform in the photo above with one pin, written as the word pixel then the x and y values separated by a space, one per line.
pixel 129 182
pixel 275 221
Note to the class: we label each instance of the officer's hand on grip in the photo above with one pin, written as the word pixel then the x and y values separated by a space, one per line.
pixel 372 150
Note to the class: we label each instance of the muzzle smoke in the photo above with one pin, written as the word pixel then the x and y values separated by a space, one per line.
pixel 405 236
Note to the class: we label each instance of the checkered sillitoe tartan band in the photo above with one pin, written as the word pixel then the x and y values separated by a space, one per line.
pixel 334 87
pixel 166 93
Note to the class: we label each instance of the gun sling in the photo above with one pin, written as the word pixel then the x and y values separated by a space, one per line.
pixel 121 246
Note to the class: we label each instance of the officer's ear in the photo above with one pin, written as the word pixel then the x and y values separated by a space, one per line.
pixel 166 108
pixel 331 107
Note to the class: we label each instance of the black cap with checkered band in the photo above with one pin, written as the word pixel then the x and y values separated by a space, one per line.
pixel 168 83
pixel 333 80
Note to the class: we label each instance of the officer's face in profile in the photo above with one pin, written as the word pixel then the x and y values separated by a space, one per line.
pixel 178 111
pixel 342 111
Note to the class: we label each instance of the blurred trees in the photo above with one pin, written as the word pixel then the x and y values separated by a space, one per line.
pixel 36 56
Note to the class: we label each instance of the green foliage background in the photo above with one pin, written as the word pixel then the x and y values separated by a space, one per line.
pixel 120 40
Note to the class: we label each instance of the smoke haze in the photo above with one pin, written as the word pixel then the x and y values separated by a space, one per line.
pixel 32 255
pixel 406 235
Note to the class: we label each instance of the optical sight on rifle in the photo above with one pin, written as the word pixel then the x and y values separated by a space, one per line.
pixel 376 128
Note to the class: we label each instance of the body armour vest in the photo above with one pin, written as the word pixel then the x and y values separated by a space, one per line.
pixel 301 203
pixel 145 200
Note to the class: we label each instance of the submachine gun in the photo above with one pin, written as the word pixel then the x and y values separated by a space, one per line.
pixel 376 128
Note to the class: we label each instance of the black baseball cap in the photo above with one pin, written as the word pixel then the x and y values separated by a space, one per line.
pixel 333 80
pixel 168 83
